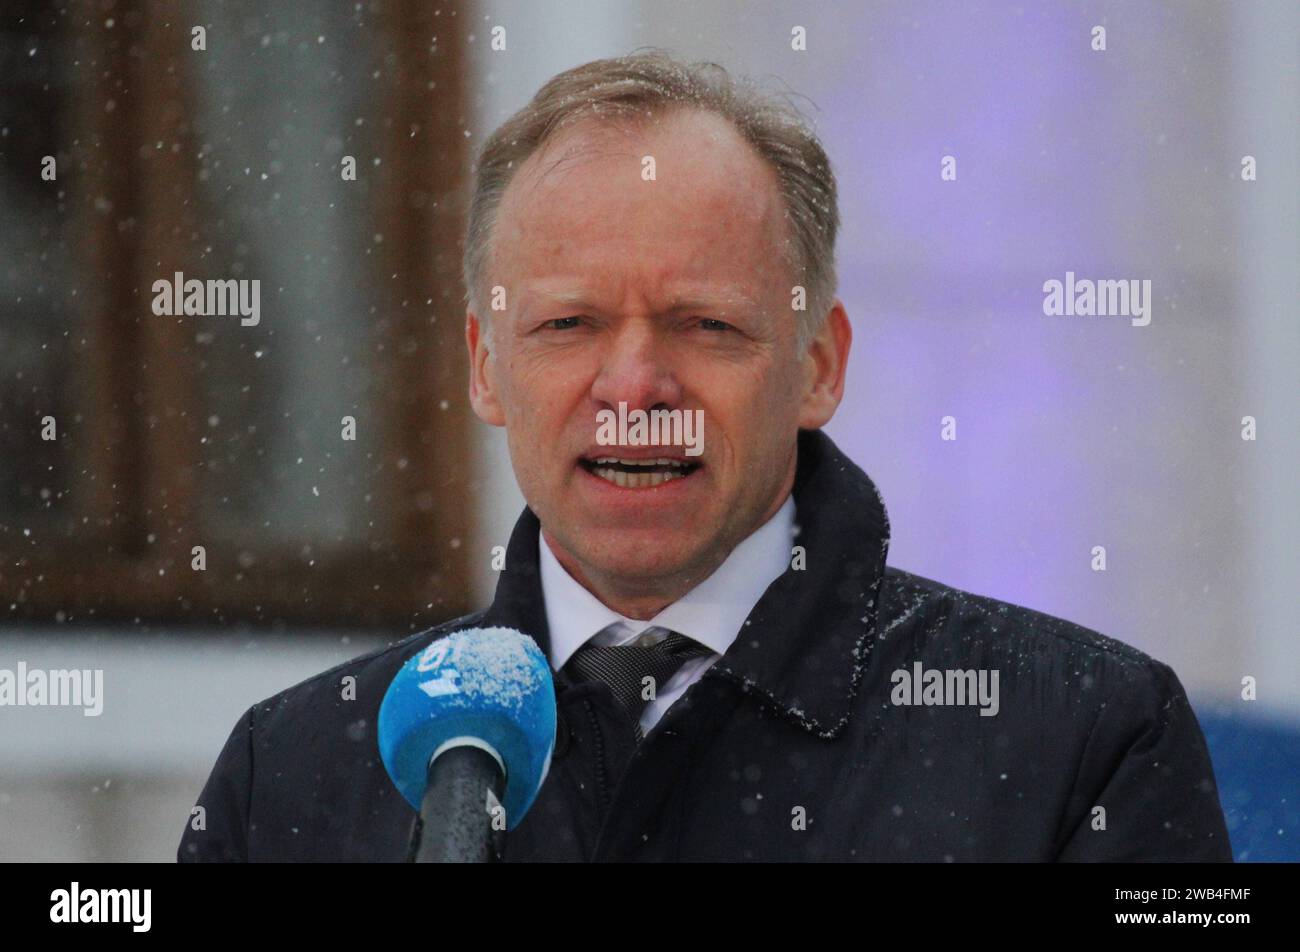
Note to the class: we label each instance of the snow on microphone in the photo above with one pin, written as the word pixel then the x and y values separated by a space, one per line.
pixel 489 688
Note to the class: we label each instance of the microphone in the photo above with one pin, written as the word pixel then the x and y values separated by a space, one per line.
pixel 466 732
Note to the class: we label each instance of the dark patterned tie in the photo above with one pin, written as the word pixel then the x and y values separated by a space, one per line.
pixel 624 667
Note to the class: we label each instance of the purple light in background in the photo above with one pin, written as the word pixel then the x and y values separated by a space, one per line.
pixel 943 281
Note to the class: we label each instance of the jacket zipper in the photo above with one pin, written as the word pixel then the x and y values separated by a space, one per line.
pixel 602 790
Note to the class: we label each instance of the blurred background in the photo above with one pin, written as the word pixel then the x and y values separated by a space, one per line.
pixel 225 162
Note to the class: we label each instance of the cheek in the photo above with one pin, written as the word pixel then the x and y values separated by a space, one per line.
pixel 522 385
pixel 543 403
pixel 785 389
pixel 538 372
pixel 755 397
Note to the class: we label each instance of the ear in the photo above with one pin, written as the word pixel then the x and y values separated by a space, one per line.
pixel 824 366
pixel 482 392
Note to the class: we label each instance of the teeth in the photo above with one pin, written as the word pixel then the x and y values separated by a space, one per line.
pixel 662 461
pixel 635 480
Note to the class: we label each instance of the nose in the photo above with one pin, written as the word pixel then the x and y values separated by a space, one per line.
pixel 636 369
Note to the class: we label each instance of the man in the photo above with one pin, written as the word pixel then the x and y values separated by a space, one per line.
pixel 738 675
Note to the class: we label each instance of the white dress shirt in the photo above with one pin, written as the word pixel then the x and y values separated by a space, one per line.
pixel 711 613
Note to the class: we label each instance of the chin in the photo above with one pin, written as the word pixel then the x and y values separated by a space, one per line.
pixel 639 553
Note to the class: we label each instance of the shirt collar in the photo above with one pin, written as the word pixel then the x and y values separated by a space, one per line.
pixel 711 613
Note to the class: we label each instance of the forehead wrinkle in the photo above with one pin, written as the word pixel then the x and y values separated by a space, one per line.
pixel 725 297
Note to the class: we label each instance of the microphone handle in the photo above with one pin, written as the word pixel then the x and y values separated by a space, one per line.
pixel 454 825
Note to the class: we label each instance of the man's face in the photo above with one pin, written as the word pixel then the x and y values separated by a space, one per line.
pixel 668 293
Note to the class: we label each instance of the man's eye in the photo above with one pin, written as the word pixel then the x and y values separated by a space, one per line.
pixel 713 324
pixel 562 323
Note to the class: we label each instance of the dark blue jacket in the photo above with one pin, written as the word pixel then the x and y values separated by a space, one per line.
pixel 793 746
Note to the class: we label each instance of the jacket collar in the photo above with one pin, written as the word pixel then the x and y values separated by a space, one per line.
pixel 803 648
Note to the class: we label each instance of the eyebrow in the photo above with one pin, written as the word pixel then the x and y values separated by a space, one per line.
pixel 728 298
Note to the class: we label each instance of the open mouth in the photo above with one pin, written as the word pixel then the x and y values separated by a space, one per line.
pixel 638 473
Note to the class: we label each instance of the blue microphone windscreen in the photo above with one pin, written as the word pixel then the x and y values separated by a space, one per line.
pixel 490 684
